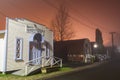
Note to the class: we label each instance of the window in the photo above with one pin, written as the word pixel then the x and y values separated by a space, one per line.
pixel 18 49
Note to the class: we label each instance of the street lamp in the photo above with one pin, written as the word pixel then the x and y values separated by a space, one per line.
pixel 95 45
pixel 95 48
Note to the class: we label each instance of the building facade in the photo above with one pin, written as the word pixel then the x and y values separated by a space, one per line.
pixel 22 42
pixel 73 50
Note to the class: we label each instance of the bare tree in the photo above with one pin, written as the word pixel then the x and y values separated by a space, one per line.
pixel 61 25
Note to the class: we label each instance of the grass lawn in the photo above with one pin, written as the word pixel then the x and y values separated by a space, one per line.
pixel 36 76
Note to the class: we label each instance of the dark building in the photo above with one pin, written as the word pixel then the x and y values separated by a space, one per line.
pixel 72 50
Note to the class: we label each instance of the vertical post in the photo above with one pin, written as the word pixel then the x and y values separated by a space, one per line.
pixel 119 40
pixel 61 63
pixel 42 62
pixel 112 37
pixel 5 46
pixel 51 61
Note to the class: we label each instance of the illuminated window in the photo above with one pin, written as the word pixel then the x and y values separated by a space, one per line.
pixel 18 50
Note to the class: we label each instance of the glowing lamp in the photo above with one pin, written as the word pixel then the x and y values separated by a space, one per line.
pixel 95 45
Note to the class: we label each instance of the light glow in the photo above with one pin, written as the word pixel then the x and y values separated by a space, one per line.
pixel 95 45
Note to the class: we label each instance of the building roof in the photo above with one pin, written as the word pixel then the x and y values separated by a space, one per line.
pixel 28 22
pixel 23 21
pixel 74 46
pixel 75 42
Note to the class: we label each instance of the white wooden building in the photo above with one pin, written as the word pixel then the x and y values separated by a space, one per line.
pixel 25 46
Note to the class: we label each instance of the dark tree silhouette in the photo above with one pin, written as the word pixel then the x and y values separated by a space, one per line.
pixel 61 25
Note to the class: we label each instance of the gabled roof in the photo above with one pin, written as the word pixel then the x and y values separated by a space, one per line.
pixel 23 21
pixel 77 41
pixel 28 22
pixel 81 41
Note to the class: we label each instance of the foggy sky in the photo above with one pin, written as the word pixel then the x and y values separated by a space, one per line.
pixel 87 15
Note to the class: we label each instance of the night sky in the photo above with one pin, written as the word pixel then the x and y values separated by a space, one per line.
pixel 86 15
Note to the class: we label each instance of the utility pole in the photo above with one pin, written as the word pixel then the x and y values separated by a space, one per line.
pixel 112 37
pixel 119 40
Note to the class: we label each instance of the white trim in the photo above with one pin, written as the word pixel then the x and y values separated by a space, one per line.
pixel 2 53
pixel 31 37
pixel 5 47
pixel 5 53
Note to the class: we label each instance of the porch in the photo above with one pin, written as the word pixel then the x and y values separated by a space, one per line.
pixel 30 67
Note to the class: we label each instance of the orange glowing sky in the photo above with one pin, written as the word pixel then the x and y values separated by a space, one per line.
pixel 86 15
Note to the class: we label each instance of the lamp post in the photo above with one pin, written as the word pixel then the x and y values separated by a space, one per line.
pixel 95 46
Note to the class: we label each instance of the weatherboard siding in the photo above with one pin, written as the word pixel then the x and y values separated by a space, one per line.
pixel 17 29
pixel 1 53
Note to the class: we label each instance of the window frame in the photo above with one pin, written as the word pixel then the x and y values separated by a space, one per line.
pixel 21 49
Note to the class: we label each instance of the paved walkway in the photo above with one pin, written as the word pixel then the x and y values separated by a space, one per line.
pixel 101 71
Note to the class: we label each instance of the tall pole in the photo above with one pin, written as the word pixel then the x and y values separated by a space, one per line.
pixel 119 40
pixel 112 37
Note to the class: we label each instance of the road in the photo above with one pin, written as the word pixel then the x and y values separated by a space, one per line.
pixel 107 71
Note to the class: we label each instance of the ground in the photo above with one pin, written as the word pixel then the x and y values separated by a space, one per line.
pixel 68 68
